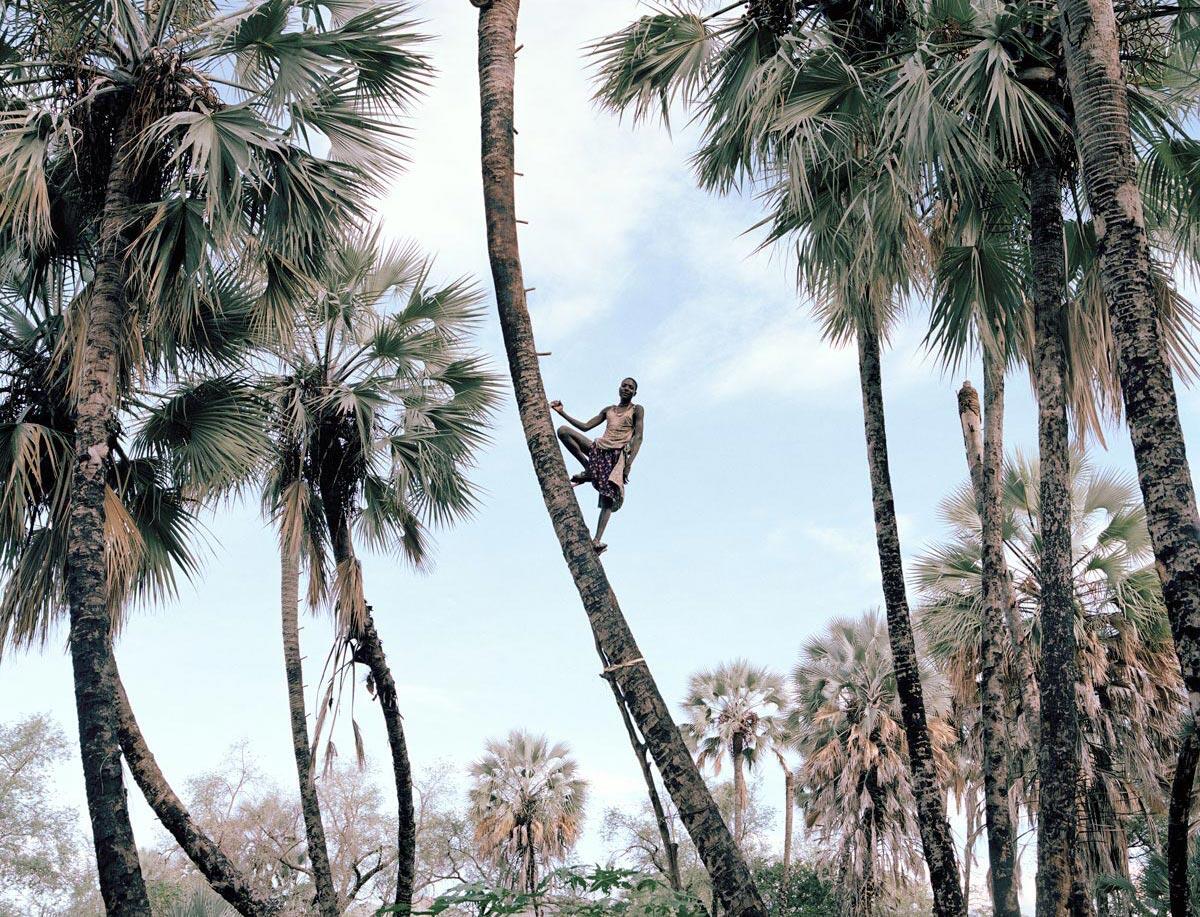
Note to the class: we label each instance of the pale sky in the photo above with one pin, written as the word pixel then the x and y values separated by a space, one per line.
pixel 747 523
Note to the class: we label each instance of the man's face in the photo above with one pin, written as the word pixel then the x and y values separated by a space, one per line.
pixel 628 389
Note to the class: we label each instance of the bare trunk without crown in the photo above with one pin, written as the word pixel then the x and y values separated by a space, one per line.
pixel 936 839
pixel 1092 46
pixel 314 828
pixel 985 456
pixel 1179 823
pixel 789 809
pixel 92 660
pixel 730 876
pixel 218 870
pixel 1058 764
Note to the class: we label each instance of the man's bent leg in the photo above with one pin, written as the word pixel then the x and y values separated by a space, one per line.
pixel 577 444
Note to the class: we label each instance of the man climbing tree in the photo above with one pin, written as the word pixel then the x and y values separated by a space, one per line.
pixel 607 460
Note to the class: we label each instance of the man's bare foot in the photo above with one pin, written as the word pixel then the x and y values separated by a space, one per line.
pixel 600 547
pixel 582 478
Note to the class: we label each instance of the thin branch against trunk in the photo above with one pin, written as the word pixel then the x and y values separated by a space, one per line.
pixel 669 845
pixel 985 460
pixel 1179 823
pixel 225 878
pixel 310 804
pixel 1091 42
pixel 936 839
pixel 1058 764
pixel 730 876
pixel 121 884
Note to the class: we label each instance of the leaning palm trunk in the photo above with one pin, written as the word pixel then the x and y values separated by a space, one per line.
pixel 369 651
pixel 1100 98
pixel 121 883
pixel 1058 765
pixel 218 870
pixel 731 879
pixel 310 805
pixel 984 459
pixel 936 839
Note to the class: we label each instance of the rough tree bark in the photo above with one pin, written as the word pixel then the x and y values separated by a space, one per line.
pixel 314 828
pixel 121 884
pixel 985 460
pixel 1179 823
pixel 789 809
pixel 1058 765
pixel 936 839
pixel 218 870
pixel 1092 48
pixel 739 788
pixel 730 876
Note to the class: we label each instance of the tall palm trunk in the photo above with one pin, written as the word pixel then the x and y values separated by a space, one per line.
pixel 670 847
pixel 1092 46
pixel 218 870
pixel 310 805
pixel 730 876
pixel 936 839
pixel 369 651
pixel 789 809
pixel 1058 766
pixel 121 883
pixel 739 788
pixel 985 459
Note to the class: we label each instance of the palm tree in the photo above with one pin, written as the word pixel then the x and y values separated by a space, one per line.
pixel 1104 138
pixel 1132 697
pixel 165 140
pixel 784 108
pixel 180 444
pixel 735 713
pixel 855 785
pixel 376 413
pixel 527 804
pixel 620 656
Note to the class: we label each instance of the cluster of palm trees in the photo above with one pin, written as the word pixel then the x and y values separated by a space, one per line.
pixel 1024 169
pixel 839 712
pixel 193 305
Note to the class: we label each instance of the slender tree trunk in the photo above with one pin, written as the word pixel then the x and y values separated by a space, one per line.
pixel 218 870
pixel 1058 765
pixel 936 839
pixel 1179 823
pixel 971 836
pixel 1092 46
pixel 670 847
pixel 986 463
pixel 121 883
pixel 789 809
pixel 739 790
pixel 868 883
pixel 730 876
pixel 314 829
pixel 369 651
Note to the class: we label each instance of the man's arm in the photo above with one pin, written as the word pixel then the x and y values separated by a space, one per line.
pixel 578 424
pixel 639 418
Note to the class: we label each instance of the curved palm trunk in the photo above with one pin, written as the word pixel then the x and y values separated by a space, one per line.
pixel 310 805
pixel 92 660
pixel 1178 823
pixel 369 651
pixel 670 847
pixel 1092 45
pixel 936 839
pixel 985 461
pixel 218 870
pixel 1058 766
pixel 730 876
